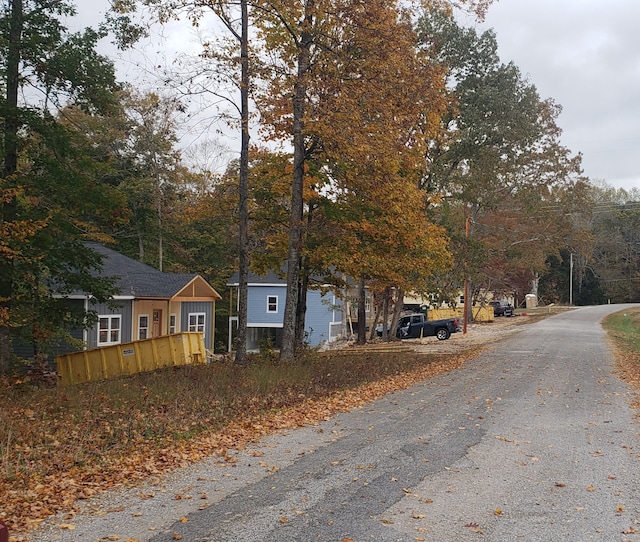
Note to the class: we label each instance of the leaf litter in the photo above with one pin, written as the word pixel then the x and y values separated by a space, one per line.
pixel 71 448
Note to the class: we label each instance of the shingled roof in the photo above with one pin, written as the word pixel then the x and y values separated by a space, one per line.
pixel 138 279
pixel 270 278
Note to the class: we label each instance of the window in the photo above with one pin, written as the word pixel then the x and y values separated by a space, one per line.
pixel 143 327
pixel 172 323
pixel 196 321
pixel 272 303
pixel 109 330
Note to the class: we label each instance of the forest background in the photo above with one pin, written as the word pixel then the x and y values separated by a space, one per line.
pixel 380 140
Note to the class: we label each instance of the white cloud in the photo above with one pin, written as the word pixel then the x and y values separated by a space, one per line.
pixel 585 55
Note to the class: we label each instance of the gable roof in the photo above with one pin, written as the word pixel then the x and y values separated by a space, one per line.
pixel 137 279
pixel 271 278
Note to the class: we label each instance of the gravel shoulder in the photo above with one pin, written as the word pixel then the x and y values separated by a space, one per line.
pixel 478 335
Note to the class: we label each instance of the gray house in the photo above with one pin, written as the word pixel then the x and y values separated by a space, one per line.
pixel 149 303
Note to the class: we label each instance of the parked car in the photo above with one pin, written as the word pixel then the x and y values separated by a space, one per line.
pixel 501 308
pixel 416 325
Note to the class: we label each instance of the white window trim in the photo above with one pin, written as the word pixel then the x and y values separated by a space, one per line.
pixel 269 297
pixel 173 327
pixel 110 329
pixel 140 327
pixel 197 325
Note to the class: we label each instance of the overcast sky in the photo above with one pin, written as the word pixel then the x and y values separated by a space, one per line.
pixel 584 54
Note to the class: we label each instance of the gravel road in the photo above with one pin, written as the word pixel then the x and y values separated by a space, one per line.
pixel 533 440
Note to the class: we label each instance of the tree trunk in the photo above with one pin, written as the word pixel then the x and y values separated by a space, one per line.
pixel 12 87
pixel 362 313
pixel 288 347
pixel 243 190
pixel 397 309
pixel 160 239
pixel 346 307
pixel 376 317
pixel 140 246
pixel 535 282
pixel 8 212
pixel 302 309
pixel 159 211
pixel 302 293
pixel 385 314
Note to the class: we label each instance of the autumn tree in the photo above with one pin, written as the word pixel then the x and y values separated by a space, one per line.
pixel 221 72
pixel 391 95
pixel 49 202
pixel 499 158
pixel 303 40
pixel 298 40
pixel 615 259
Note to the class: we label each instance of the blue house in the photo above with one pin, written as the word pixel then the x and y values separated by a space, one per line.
pixel 265 312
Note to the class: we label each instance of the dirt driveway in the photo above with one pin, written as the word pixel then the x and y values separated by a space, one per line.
pixel 477 335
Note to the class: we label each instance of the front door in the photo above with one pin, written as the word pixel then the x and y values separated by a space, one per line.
pixel 156 330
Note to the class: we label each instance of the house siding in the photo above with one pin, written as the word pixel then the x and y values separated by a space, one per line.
pixel 190 307
pixel 323 319
pixel 147 308
pixel 257 297
pixel 124 309
pixel 321 313
pixel 318 317
pixel 336 325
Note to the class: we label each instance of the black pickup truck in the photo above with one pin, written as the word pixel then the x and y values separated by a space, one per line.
pixel 414 326
pixel 501 308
